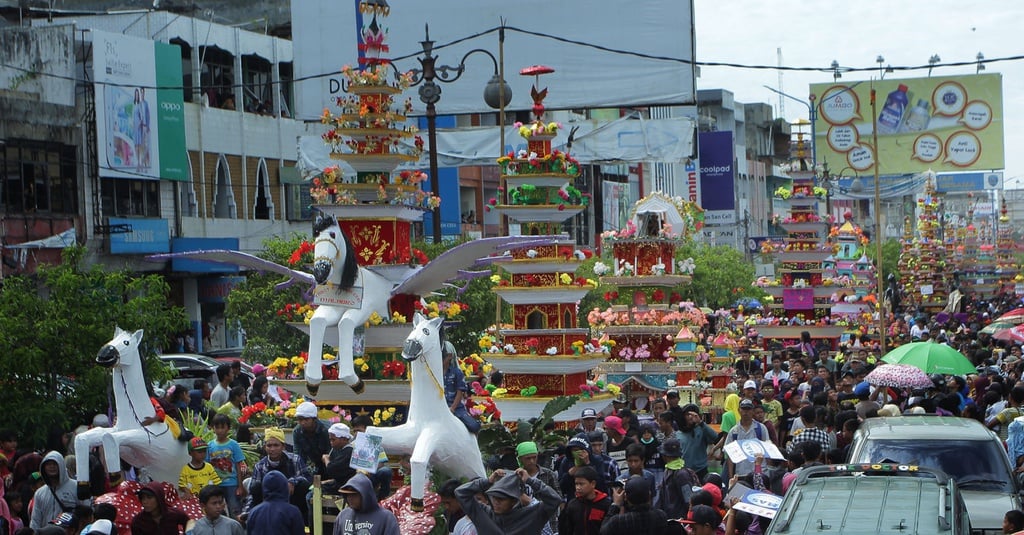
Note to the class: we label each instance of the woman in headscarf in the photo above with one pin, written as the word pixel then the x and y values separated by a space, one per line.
pixel 732 412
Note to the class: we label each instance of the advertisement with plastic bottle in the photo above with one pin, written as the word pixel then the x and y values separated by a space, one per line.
pixel 950 123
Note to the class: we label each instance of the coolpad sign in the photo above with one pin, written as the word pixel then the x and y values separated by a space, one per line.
pixel 716 177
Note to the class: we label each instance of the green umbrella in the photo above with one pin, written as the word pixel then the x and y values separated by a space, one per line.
pixel 931 357
pixel 996 326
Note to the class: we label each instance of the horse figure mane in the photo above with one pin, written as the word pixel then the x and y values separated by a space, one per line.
pixel 349 267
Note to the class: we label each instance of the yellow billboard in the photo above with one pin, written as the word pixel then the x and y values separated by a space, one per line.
pixel 948 123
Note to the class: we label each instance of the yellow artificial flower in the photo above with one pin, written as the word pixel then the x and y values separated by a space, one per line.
pixel 592 282
pixel 499 393
pixel 454 310
pixel 329 356
pixel 375 319
pixel 565 278
pixel 495 279
pixel 398 318
pixel 614 389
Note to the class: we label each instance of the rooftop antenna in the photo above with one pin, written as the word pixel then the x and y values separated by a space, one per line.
pixel 782 100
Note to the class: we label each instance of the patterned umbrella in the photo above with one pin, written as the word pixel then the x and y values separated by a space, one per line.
pixel 1013 334
pixel 996 326
pixel 931 357
pixel 1014 316
pixel 898 376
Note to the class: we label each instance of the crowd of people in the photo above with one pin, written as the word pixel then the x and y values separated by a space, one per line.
pixel 41 492
pixel 659 467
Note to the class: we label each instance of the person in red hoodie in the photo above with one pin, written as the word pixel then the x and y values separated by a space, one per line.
pixel 586 512
pixel 156 518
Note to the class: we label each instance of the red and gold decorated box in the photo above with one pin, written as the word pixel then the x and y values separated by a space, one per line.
pixel 379 241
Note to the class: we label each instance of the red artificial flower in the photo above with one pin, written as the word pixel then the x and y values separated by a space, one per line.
pixel 658 295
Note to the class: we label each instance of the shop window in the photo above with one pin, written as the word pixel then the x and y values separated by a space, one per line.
pixel 126 197
pixel 38 177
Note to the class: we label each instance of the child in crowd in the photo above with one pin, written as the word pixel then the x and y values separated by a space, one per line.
pixel 228 460
pixel 213 521
pixel 584 513
pixel 197 473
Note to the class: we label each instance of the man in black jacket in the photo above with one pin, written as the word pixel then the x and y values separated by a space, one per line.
pixel 631 512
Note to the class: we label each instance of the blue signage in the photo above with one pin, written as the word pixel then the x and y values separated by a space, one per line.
pixel 146 236
pixel 967 182
pixel 717 196
pixel 182 245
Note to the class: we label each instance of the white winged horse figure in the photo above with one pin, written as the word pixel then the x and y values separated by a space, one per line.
pixel 335 264
pixel 432 435
pixel 150 448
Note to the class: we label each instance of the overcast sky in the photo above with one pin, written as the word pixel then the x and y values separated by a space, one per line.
pixel 855 33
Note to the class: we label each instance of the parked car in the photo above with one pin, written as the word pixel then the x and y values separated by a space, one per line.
pixel 963 448
pixel 871 498
pixel 228 356
pixel 190 366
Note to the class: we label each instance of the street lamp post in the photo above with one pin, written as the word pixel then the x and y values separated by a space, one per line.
pixel 497 94
pixel 812 114
pixel 879 277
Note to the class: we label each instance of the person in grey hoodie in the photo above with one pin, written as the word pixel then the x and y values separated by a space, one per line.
pixel 58 494
pixel 512 511
pixel 363 516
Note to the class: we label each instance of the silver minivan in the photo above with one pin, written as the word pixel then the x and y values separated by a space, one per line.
pixel 866 499
pixel 963 448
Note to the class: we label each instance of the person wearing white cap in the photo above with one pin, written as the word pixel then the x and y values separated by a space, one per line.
pixel 312 442
pixel 338 470
pixel 749 389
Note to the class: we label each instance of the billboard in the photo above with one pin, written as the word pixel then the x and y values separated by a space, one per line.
pixel 968 182
pixel 140 110
pixel 326 35
pixel 942 123
pixel 717 195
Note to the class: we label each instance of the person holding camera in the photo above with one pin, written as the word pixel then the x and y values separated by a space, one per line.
pixel 631 512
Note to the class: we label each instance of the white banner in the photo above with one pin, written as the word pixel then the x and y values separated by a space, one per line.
pixel 619 141
pixel 325 35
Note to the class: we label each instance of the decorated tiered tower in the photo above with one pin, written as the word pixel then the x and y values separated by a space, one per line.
pixel 377 208
pixel 851 275
pixel 545 353
pixel 1006 259
pixel 643 288
pixel 801 300
pixel 924 270
pixel 978 264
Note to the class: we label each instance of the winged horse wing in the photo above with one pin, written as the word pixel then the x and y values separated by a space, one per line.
pixel 238 258
pixel 451 264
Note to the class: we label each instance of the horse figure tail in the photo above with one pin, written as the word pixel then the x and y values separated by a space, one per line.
pixel 350 269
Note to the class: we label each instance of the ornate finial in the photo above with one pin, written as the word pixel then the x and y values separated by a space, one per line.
pixel 537 95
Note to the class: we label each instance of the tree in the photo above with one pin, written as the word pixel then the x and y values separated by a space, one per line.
pixel 51 327
pixel 722 275
pixel 254 304
pixel 891 250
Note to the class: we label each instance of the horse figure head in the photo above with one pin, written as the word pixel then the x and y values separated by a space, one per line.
pixel 426 340
pixel 332 250
pixel 123 345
